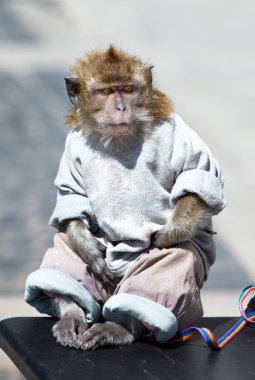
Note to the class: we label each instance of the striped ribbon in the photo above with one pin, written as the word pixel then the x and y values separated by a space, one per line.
pixel 247 317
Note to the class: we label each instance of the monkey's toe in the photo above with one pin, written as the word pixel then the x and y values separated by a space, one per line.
pixel 92 338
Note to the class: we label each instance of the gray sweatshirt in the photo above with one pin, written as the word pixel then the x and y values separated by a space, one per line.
pixel 128 195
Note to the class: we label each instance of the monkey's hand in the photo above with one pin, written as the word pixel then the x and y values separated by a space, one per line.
pixel 102 334
pixel 90 250
pixel 189 214
pixel 92 254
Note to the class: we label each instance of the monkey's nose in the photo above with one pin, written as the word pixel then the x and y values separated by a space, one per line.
pixel 121 107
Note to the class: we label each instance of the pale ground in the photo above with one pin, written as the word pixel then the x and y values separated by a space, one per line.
pixel 204 58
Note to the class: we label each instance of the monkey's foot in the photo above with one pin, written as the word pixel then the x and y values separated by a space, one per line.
pixel 68 330
pixel 102 334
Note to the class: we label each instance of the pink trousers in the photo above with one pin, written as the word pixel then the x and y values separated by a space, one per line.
pixel 171 277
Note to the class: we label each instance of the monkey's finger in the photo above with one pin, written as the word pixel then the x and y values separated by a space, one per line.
pixel 101 270
pixel 108 276
pixel 101 246
pixel 109 285
pixel 98 265
pixel 159 240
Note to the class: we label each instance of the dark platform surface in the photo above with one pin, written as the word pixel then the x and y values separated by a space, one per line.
pixel 30 345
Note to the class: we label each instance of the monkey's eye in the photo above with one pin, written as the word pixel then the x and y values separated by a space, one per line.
pixel 105 91
pixel 128 89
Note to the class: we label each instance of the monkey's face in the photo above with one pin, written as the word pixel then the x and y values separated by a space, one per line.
pixel 113 96
pixel 118 109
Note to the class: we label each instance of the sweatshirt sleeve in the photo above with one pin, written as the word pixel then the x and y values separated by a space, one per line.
pixel 72 201
pixel 196 169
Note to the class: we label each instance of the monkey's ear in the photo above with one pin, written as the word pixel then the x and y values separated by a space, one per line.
pixel 73 89
pixel 150 74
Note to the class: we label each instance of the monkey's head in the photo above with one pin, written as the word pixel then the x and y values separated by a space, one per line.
pixel 113 96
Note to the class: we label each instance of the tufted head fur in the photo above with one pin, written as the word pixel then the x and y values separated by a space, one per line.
pixel 113 67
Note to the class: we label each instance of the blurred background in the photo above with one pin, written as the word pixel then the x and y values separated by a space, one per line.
pixel 204 58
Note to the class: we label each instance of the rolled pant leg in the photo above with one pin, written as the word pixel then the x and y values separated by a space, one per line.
pixel 62 272
pixel 171 277
pixel 62 258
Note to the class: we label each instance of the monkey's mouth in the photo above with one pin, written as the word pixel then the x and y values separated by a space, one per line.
pixel 121 129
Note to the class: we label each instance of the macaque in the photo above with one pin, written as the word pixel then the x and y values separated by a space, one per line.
pixel 118 116
pixel 116 108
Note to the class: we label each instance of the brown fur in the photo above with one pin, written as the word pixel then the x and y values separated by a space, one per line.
pixel 188 208
pixel 190 214
pixel 90 250
pixel 114 66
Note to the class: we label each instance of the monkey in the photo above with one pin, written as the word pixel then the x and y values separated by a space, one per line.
pixel 117 108
pixel 117 116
